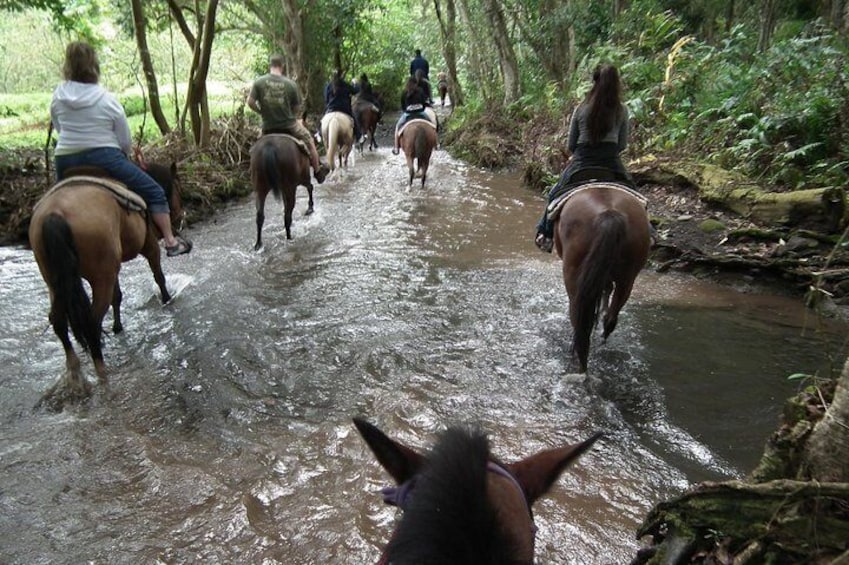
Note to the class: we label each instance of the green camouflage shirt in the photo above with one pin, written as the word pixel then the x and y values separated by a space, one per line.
pixel 278 98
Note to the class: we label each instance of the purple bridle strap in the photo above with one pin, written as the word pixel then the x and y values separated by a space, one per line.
pixel 397 496
pixel 502 472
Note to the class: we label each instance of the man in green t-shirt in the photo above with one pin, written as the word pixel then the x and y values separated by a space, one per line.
pixel 277 99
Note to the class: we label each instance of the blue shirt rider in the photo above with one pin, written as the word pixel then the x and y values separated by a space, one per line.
pixel 337 98
pixel 419 62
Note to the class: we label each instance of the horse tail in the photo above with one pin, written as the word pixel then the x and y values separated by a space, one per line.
pixel 71 305
pixel 420 147
pixel 595 277
pixel 332 141
pixel 271 169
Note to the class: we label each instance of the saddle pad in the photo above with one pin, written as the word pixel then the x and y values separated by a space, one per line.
pixel 126 197
pixel 413 121
pixel 553 209
pixel 301 145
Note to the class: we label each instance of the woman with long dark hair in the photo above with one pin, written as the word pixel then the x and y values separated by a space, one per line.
pixel 598 133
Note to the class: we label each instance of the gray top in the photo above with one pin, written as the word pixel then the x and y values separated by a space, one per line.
pixel 580 134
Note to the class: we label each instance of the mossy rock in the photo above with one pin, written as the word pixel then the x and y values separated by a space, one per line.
pixel 711 225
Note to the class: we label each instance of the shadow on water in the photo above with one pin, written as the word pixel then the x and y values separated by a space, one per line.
pixel 226 434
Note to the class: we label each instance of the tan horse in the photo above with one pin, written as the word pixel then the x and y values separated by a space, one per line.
pixel 418 139
pixel 81 230
pixel 279 164
pixel 337 130
pixel 602 236
pixel 461 505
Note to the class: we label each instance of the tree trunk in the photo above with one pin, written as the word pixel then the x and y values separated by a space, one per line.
pixel 768 15
pixel 824 209
pixel 504 47
pixel 147 65
pixel 479 70
pixel 293 42
pixel 827 450
pixel 729 16
pixel 448 31
pixel 196 99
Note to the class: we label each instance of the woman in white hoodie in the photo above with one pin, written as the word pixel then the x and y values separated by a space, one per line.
pixel 93 131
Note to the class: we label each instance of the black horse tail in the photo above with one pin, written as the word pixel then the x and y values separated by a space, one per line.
pixel 595 279
pixel 271 169
pixel 71 305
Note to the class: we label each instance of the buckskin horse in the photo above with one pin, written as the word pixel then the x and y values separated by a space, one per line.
pixel 602 237
pixel 418 139
pixel 279 164
pixel 368 115
pixel 85 227
pixel 461 505
pixel 337 130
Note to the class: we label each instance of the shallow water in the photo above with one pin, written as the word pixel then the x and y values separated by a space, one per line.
pixel 225 435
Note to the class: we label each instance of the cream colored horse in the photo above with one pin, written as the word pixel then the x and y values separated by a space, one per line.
pixel 337 130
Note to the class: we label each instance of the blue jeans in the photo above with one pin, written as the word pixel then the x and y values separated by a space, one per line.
pixel 407 116
pixel 120 168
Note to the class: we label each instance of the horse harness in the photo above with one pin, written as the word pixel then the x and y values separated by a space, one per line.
pixel 128 199
pixel 400 496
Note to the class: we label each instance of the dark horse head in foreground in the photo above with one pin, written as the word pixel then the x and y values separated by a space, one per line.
pixel 461 505
pixel 602 236
pixel 279 163
pixel 82 229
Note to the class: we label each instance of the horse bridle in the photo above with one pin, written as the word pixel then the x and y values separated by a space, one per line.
pixel 400 496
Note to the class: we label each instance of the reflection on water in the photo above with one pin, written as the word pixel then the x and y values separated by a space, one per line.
pixel 226 435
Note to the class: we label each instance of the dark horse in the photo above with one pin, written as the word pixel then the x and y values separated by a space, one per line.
pixel 602 236
pixel 418 139
pixel 279 164
pixel 83 229
pixel 367 115
pixel 461 505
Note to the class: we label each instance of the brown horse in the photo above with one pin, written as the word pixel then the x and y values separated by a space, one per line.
pixel 337 130
pixel 418 139
pixel 368 115
pixel 442 87
pixel 460 504
pixel 602 236
pixel 81 230
pixel 279 164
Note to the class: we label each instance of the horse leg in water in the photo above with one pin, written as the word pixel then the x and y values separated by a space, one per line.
pixel 259 200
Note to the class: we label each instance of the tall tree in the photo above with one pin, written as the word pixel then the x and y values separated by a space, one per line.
pixel 504 46
pixel 197 103
pixel 768 15
pixel 448 32
pixel 140 28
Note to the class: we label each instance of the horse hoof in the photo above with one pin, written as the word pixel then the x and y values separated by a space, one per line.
pixel 309 211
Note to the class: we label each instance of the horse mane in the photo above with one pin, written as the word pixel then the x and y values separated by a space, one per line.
pixel 449 518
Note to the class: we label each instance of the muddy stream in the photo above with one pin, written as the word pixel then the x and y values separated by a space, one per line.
pixel 226 436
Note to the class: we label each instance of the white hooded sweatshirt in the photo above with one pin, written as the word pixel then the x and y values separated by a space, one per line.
pixel 86 117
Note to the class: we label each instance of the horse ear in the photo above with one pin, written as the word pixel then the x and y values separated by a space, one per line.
pixel 173 169
pixel 538 472
pixel 401 462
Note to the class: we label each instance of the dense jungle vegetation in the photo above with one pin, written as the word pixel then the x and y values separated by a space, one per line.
pixel 760 87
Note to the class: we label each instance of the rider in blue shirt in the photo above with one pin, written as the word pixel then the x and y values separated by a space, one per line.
pixel 419 62
pixel 337 98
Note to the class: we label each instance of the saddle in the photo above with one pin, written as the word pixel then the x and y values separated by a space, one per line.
pixel 301 145
pixel 590 177
pixel 416 120
pixel 77 176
